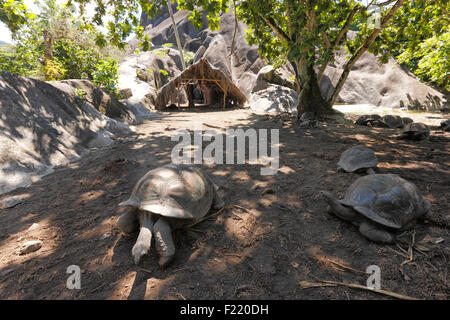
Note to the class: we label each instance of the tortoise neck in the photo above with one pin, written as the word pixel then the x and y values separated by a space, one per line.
pixel 340 210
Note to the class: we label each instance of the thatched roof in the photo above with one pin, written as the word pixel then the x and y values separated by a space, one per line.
pixel 200 71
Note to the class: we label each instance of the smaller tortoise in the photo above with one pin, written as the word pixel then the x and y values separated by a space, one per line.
pixel 415 131
pixel 307 120
pixel 407 120
pixel 380 204
pixel 167 197
pixel 368 120
pixel 305 116
pixel 392 122
pixel 356 159
pixel 308 124
pixel 445 125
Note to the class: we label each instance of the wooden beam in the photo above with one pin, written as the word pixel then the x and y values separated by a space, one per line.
pixel 179 96
pixel 225 97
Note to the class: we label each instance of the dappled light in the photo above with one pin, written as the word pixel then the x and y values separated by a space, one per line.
pixel 283 206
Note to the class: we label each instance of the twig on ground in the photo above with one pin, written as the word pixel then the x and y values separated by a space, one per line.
pixel 346 268
pixel 399 253
pixel 325 283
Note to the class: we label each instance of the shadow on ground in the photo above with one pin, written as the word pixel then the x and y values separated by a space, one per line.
pixel 283 237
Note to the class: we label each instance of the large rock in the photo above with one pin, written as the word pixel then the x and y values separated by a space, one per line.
pixel 157 19
pixel 386 85
pixel 42 126
pixel 161 31
pixel 96 96
pixel 275 98
pixel 369 82
pixel 216 54
pixel 216 44
pixel 269 75
pixel 144 74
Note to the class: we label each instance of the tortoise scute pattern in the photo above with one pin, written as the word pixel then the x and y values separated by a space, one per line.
pixel 387 196
pixel 356 158
pixel 182 187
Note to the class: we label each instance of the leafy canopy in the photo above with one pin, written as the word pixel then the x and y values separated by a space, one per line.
pixel 75 54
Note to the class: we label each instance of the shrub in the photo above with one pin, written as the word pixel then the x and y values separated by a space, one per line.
pixel 106 75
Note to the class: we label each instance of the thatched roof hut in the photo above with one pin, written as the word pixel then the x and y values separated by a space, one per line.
pixel 201 73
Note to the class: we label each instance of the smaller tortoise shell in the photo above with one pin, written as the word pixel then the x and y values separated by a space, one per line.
pixel 393 121
pixel 358 157
pixel 386 199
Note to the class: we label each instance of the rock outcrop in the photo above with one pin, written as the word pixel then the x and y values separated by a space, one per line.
pixel 96 96
pixel 42 126
pixel 369 82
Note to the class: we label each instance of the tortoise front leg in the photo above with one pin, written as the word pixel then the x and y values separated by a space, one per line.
pixel 144 240
pixel 164 242
pixel 372 232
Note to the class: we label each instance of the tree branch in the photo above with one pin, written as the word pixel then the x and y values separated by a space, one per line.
pixel 338 39
pixel 362 49
pixel 278 31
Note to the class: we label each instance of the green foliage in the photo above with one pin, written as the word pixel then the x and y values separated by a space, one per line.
pixel 106 75
pixel 164 75
pixel 304 33
pixel 434 63
pixel 79 60
pixel 14 14
pixel 75 54
pixel 14 62
pixel 125 17
pixel 419 37
pixel 162 53
pixel 188 56
pixel 52 70
pixel 80 93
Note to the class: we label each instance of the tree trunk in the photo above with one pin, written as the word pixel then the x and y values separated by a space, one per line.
pixel 310 98
pixel 48 46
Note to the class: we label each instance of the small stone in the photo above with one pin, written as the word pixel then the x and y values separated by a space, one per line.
pixel 256 186
pixel 30 246
pixel 10 202
pixel 34 226
pixel 106 235
pixel 125 93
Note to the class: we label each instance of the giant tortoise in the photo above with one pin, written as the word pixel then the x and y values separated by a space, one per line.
pixel 380 204
pixel 167 197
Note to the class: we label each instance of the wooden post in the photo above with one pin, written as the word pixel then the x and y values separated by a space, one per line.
pixel 225 95
pixel 179 96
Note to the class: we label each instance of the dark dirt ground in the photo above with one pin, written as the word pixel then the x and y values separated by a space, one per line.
pixel 285 237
